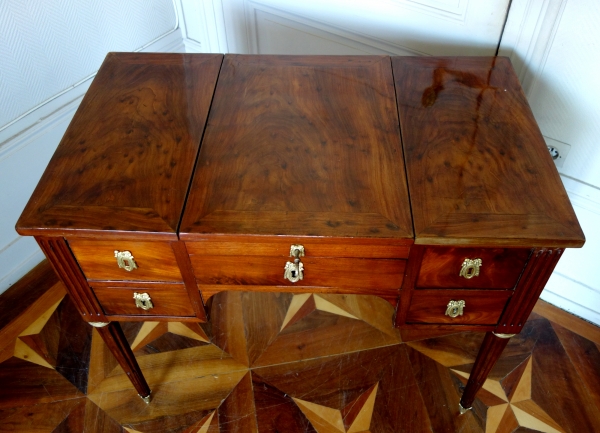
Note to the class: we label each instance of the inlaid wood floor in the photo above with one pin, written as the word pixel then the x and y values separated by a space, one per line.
pixel 286 363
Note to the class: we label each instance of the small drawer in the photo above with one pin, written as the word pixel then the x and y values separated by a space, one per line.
pixel 158 299
pixel 378 274
pixel 154 261
pixel 481 307
pixel 500 267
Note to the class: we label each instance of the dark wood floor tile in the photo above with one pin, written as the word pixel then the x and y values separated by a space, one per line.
pixel 451 350
pixel 97 421
pixel 322 334
pixel 440 392
pixel 263 316
pixel 25 383
pixel 276 411
pixel 558 390
pixel 167 423
pixel 585 357
pixel 45 342
pixel 75 421
pixel 33 418
pixel 167 343
pixel 74 346
pixel 227 327
pixel 29 289
pixel 325 387
pixel 237 412
pixel 511 381
pixel 567 320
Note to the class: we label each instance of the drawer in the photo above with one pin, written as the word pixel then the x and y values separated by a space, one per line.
pixel 500 267
pixel 155 261
pixel 318 271
pixel 481 307
pixel 166 299
pixel 327 262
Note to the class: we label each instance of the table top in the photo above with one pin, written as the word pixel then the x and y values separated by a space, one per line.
pixel 479 172
pixel 301 146
pixel 304 146
pixel 125 162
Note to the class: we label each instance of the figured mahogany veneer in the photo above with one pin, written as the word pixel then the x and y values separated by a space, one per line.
pixel 155 260
pixel 208 168
pixel 481 307
pixel 500 270
pixel 167 299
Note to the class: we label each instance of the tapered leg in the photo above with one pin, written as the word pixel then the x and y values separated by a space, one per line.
pixel 489 352
pixel 113 336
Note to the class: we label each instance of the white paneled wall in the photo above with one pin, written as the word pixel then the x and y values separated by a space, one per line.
pixel 554 47
pixel 48 52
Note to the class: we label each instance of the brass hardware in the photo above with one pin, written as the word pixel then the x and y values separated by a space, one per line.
pixel 294 271
pixel 98 324
pixel 147 398
pixel 455 308
pixel 125 260
pixel 470 268
pixel 143 301
pixel 504 335
pixel 463 410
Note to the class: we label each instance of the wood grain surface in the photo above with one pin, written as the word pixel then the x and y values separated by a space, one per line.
pixel 481 307
pixel 301 145
pixel 125 162
pixel 500 267
pixel 479 172
pixel 167 300
pixel 318 271
pixel 155 260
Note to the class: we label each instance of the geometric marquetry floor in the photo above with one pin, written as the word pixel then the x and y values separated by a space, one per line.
pixel 284 363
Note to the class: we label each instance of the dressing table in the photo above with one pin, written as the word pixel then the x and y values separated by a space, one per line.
pixel 424 181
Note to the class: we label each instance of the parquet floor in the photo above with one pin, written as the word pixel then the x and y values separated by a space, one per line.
pixel 286 363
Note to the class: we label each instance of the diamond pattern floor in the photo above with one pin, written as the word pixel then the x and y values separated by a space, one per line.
pixel 291 363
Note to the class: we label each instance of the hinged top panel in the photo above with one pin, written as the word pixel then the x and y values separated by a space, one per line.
pixel 124 165
pixel 301 146
pixel 479 172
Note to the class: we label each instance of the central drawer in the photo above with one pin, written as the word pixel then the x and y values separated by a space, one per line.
pixel 327 266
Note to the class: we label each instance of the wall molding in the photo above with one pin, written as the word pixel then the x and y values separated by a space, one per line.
pixel 323 29
pixel 528 37
pixel 19 255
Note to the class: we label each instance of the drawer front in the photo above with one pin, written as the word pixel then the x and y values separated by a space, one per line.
pixel 480 307
pixel 165 299
pixel 379 274
pixel 500 267
pixel 155 261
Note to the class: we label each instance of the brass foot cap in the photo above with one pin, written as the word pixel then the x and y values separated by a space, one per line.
pixel 147 398
pixel 463 410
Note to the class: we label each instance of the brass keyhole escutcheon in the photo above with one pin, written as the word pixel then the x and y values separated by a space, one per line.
pixel 455 308
pixel 125 260
pixel 143 301
pixel 470 268
pixel 294 271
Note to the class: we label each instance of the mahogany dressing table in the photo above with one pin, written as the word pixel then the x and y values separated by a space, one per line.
pixel 424 181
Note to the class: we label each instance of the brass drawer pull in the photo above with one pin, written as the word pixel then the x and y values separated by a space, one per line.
pixel 125 260
pixel 470 268
pixel 294 271
pixel 455 308
pixel 143 301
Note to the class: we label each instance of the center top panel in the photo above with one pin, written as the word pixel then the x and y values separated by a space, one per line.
pixel 301 146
